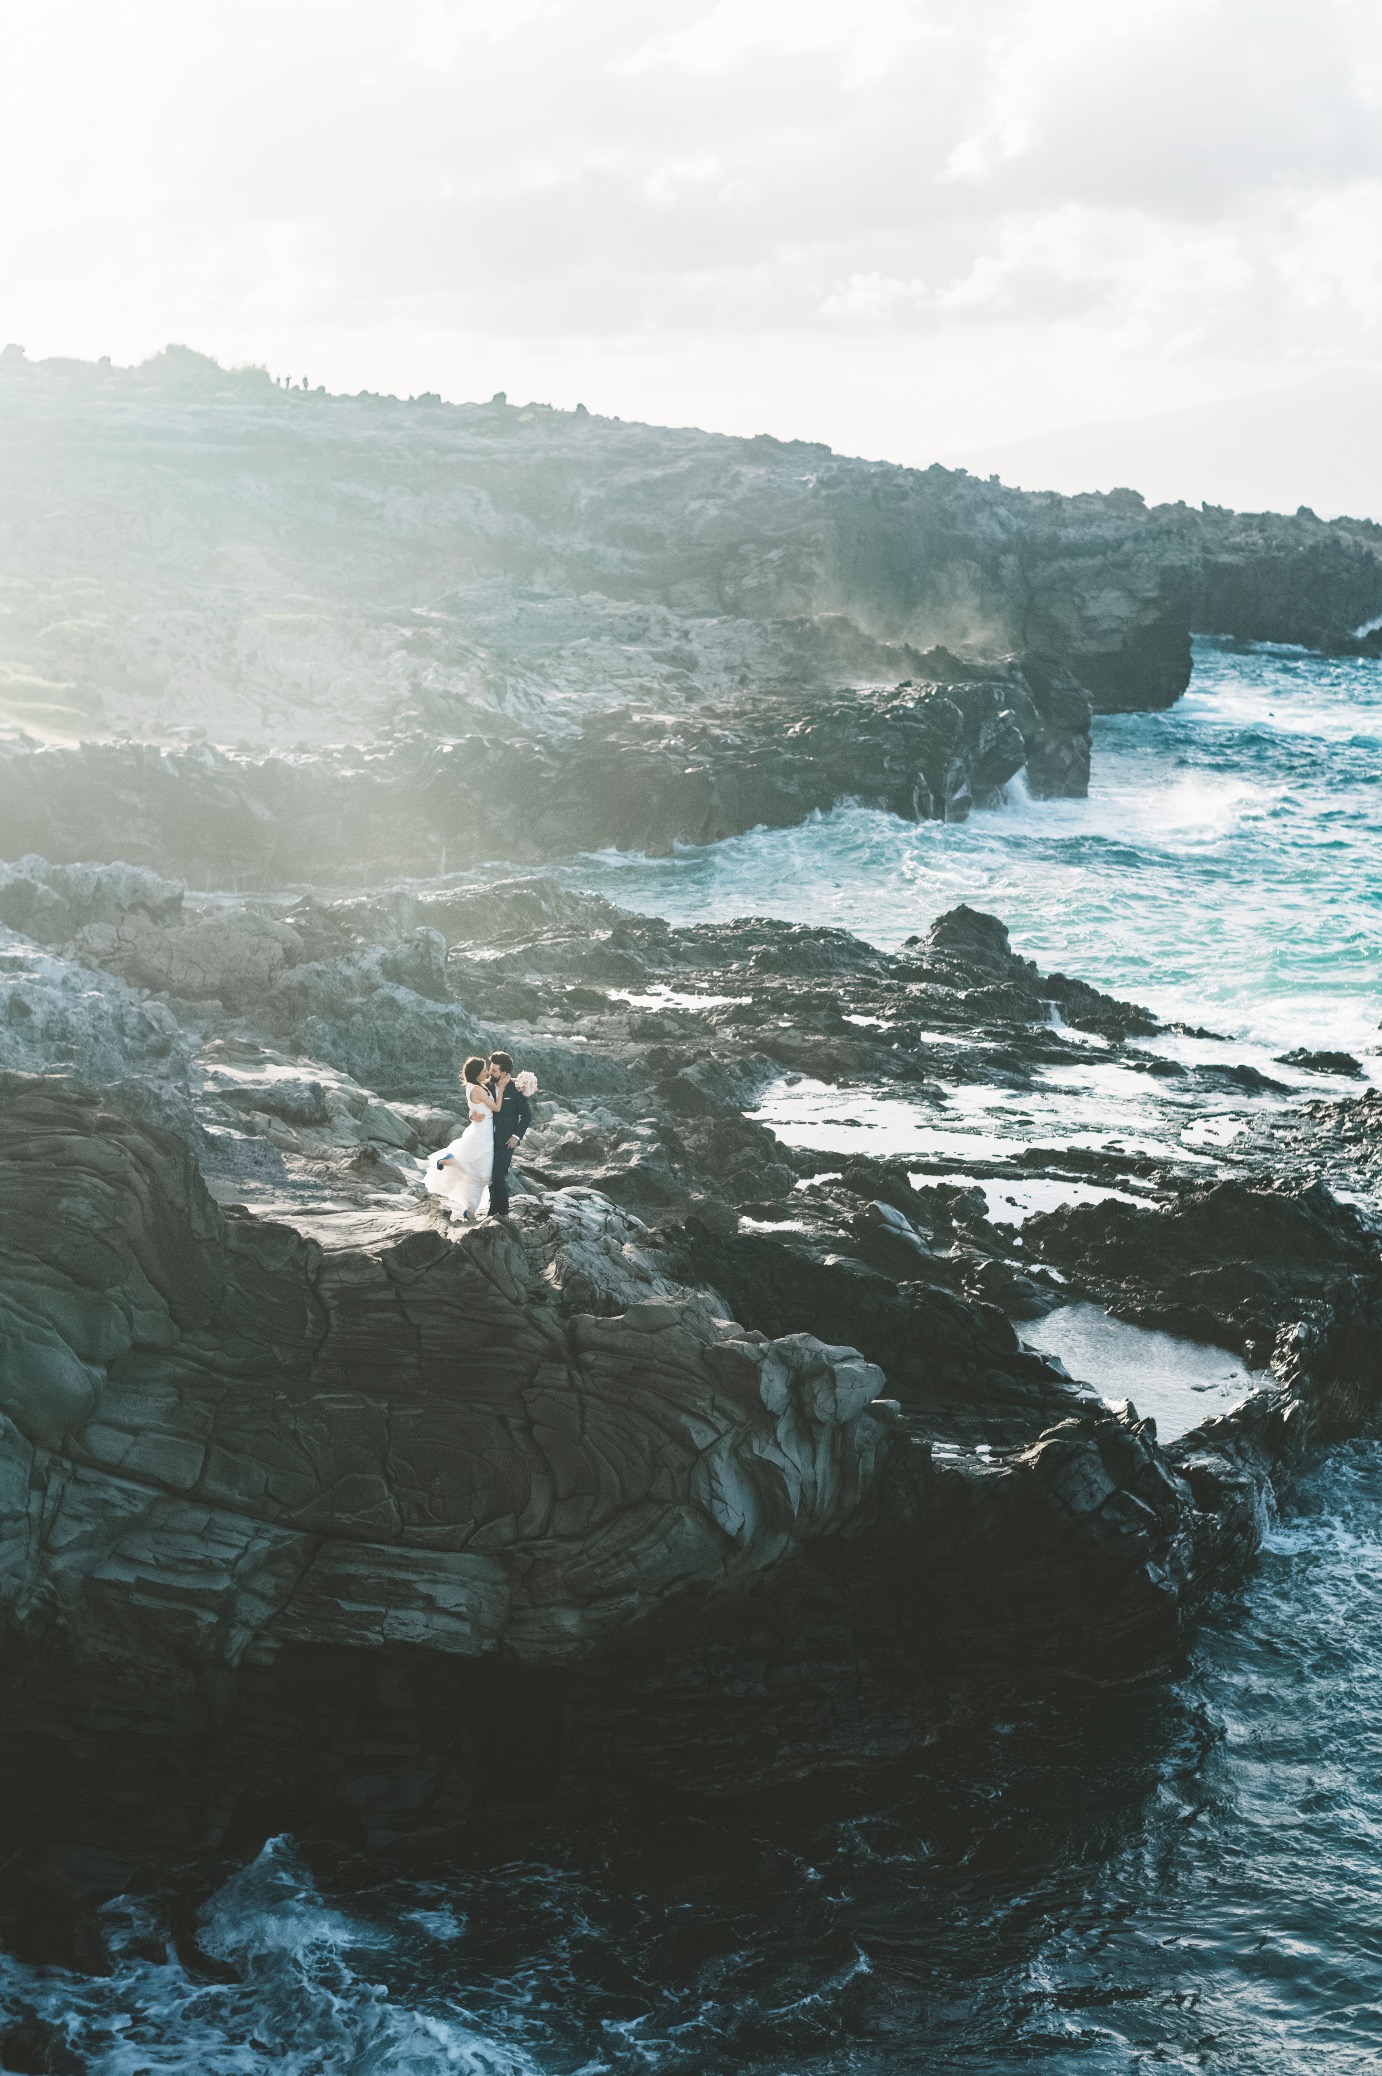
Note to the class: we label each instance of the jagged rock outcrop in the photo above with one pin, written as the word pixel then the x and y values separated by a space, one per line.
pixel 1230 1262
pixel 928 751
pixel 1268 578
pixel 54 1013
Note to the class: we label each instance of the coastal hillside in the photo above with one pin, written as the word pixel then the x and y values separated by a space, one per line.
pixel 187 549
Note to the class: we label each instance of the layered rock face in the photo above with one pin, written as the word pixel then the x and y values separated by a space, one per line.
pixel 523 1477
pixel 240 1457
pixel 1269 578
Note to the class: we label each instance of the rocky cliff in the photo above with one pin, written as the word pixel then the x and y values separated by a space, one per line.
pixel 730 1457
pixel 714 1466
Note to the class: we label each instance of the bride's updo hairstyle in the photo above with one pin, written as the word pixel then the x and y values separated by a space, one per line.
pixel 473 1071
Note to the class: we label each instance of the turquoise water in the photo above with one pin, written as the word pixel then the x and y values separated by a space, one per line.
pixel 1225 869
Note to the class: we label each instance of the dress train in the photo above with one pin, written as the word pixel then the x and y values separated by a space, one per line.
pixel 463 1180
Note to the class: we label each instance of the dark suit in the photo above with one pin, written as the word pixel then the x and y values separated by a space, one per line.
pixel 511 1120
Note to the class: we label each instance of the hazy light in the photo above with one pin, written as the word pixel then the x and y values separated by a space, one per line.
pixel 904 228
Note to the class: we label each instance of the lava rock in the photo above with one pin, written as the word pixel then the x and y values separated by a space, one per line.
pixel 1342 1063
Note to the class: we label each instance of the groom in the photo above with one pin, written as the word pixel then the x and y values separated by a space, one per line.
pixel 511 1121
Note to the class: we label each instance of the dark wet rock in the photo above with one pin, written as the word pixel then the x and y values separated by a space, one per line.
pixel 1058 744
pixel 967 948
pixel 955 1360
pixel 1018 1295
pixel 1322 1062
pixel 1341 1139
pixel 1301 580
pixel 260 1443
pixel 1239 1075
pixel 976 943
pixel 1356 1120
pixel 368 1518
pixel 34 2046
pixel 1326 1385
pixel 671 1162
pixel 264 1473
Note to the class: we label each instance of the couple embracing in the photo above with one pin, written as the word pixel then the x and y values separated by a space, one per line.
pixel 500 1113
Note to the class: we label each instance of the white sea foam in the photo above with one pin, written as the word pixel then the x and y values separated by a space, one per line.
pixel 660 997
pixel 1213 1131
pixel 307 2000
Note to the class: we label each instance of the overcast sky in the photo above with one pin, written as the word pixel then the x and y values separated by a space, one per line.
pixel 904 226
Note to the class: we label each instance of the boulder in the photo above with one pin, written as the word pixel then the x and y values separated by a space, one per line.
pixel 233 957
pixel 1314 1062
pixel 55 1012
pixel 51 903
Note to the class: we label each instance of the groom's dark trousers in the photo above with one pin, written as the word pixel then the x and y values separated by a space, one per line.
pixel 512 1119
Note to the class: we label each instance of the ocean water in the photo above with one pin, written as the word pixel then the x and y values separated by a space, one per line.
pixel 1226 868
pixel 1181 1875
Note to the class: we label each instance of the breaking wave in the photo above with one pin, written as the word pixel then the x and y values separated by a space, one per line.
pixel 1224 869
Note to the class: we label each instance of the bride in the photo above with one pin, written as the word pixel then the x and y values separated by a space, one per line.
pixel 461 1171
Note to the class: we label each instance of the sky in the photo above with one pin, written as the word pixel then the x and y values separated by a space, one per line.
pixel 910 228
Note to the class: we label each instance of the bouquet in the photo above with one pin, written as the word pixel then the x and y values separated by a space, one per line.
pixel 526 1082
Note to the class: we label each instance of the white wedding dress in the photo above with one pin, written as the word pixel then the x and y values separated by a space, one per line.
pixel 464 1179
